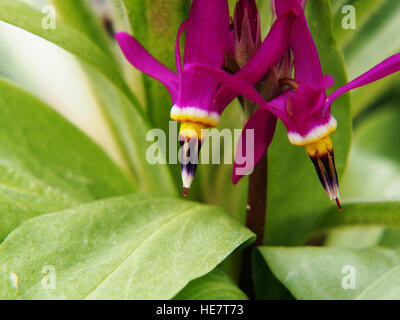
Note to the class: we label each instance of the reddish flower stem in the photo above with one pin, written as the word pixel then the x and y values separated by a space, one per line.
pixel 256 211
pixel 257 200
pixel 255 220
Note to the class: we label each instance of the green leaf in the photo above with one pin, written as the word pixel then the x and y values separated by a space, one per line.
pixel 68 38
pixel 374 168
pixel 390 239
pixel 131 131
pixel 365 9
pixel 373 175
pixel 155 24
pixel 370 214
pixel 375 41
pixel 78 14
pixel 46 163
pixel 133 247
pixel 296 199
pixel 337 6
pixel 387 287
pixel 323 273
pixel 266 285
pixel 356 237
pixel 216 285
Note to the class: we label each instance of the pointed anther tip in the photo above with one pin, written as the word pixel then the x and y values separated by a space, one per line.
pixel 339 204
pixel 185 192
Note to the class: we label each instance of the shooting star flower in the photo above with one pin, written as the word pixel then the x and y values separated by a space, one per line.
pixel 305 109
pixel 198 96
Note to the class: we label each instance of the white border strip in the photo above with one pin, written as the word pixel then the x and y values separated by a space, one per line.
pixel 194 112
pixel 314 135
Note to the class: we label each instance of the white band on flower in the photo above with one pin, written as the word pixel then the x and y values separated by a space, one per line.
pixel 314 135
pixel 193 114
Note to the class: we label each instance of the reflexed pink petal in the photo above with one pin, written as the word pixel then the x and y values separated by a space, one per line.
pixel 385 68
pixel 262 126
pixel 327 81
pixel 143 61
pixel 206 42
pixel 307 64
pixel 240 86
pixel 207 32
pixel 178 57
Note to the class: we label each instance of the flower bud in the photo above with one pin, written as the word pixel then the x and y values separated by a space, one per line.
pixel 247 31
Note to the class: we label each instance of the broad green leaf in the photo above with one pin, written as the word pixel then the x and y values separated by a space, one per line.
pixel 266 285
pixel 68 38
pixel 78 14
pixel 155 24
pixel 356 214
pixel 390 239
pixel 216 285
pixel 364 10
pixel 116 99
pixel 387 287
pixel 325 273
pixel 373 175
pixel 374 167
pixel 296 199
pixel 375 41
pixel 46 163
pixel 132 247
pixel 356 237
pixel 337 6
pixel 131 132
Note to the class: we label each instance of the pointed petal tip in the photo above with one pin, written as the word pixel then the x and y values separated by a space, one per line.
pixel 327 81
pixel 120 35
pixel 235 178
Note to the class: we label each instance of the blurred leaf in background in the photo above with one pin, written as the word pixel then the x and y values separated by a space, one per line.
pixel 373 173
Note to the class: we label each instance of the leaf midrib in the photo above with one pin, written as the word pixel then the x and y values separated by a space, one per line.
pixel 144 240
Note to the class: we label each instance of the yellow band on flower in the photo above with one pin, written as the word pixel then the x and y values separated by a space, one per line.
pixel 320 147
pixel 192 130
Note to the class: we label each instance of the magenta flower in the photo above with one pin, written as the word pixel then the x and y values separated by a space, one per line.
pixel 305 109
pixel 198 96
